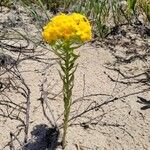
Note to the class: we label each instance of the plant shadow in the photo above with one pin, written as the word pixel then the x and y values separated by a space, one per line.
pixel 45 138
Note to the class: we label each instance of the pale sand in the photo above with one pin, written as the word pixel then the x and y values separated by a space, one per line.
pixel 116 125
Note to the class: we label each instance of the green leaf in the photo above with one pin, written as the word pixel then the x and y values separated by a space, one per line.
pixel 62 67
pixel 131 4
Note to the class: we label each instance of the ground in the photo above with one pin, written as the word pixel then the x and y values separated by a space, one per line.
pixel 111 95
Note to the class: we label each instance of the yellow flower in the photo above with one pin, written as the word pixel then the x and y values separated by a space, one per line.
pixel 67 27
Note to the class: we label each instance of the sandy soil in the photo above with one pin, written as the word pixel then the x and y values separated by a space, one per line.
pixel 106 114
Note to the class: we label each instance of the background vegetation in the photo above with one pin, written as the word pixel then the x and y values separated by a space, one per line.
pixel 104 14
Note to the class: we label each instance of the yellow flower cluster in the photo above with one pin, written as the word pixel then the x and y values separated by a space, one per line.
pixel 67 27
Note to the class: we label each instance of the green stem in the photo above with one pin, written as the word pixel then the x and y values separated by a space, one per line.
pixel 67 60
pixel 67 91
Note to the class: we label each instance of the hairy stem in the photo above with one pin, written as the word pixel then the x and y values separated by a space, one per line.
pixel 68 67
